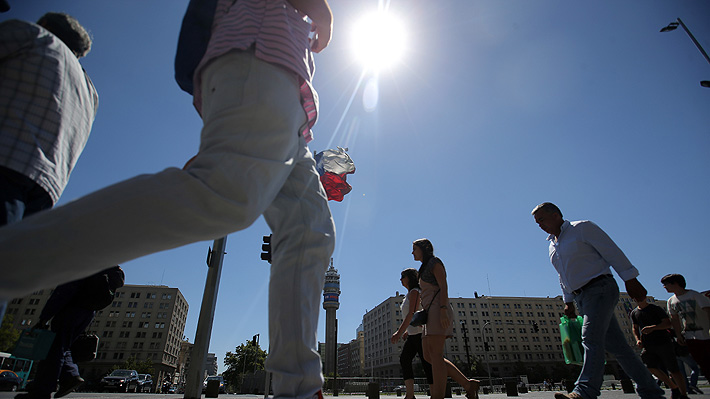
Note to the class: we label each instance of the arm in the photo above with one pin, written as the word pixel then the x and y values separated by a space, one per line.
pixel 663 325
pixel 440 276
pixel 319 12
pixel 570 310
pixel 413 296
pixel 675 322
pixel 612 254
pixel 635 329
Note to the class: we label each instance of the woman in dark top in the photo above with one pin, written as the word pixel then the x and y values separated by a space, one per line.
pixel 439 326
pixel 411 334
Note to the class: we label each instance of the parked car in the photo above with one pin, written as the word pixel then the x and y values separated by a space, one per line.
pixel 9 381
pixel 121 380
pixel 145 383
pixel 214 377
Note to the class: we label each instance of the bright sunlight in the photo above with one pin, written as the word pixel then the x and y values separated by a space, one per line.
pixel 379 40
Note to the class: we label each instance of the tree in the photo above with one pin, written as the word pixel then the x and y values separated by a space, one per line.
pixel 246 358
pixel 144 367
pixel 8 334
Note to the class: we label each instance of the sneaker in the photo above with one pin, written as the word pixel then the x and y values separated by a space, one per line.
pixel 68 386
pixel 571 395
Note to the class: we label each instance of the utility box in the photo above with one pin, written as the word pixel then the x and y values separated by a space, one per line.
pixel 628 386
pixel 373 390
pixel 511 388
pixel 212 390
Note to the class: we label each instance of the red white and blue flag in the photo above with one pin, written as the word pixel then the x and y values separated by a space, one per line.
pixel 333 167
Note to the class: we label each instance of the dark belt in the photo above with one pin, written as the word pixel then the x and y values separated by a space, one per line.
pixel 590 282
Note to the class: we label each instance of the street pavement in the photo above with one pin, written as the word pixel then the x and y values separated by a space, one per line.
pixel 606 394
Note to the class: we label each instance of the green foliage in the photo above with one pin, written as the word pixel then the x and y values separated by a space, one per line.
pixel 8 334
pixel 245 359
pixel 143 367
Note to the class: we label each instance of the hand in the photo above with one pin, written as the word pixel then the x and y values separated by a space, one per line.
pixel 635 289
pixel 647 330
pixel 41 325
pixel 394 338
pixel 405 335
pixel 321 21
pixel 681 340
pixel 570 310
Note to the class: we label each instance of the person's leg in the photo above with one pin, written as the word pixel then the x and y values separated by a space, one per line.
pixel 425 365
pixel 616 343
pixel 302 243
pixel 596 305
pixel 247 151
pixel 700 351
pixel 471 386
pixel 409 350
pixel 663 377
pixel 434 354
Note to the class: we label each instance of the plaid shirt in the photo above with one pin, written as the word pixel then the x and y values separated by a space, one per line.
pixel 47 105
pixel 279 33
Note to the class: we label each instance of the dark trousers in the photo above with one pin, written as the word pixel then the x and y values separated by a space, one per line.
pixel 68 324
pixel 20 196
pixel 412 347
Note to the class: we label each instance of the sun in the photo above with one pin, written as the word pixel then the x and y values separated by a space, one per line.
pixel 379 40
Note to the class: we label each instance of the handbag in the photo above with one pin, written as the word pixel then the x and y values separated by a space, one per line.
pixel 571 335
pixel 84 348
pixel 33 344
pixel 420 317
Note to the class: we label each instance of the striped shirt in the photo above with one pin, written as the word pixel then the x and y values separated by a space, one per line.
pixel 47 105
pixel 279 34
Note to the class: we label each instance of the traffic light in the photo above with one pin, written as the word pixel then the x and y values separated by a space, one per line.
pixel 535 327
pixel 266 247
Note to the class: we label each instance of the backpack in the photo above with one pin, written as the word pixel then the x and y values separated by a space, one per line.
pixel 97 291
pixel 195 33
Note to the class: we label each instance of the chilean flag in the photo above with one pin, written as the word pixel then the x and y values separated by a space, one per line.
pixel 333 167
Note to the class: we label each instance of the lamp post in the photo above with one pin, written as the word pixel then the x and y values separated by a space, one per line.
pixel 673 26
pixel 488 363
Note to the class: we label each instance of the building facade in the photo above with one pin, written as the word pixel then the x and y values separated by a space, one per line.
pixel 143 322
pixel 517 330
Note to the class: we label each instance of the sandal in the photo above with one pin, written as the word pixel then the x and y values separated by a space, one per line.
pixel 473 387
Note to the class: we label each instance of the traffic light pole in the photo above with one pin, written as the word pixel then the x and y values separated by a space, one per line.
pixel 193 383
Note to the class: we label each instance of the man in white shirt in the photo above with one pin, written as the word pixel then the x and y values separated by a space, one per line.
pixel 582 253
pixel 691 309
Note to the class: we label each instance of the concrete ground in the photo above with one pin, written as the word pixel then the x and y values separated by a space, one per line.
pixel 606 394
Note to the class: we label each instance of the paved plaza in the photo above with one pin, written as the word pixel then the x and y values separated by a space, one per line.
pixel 606 394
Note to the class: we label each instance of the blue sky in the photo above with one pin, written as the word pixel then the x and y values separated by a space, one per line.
pixel 496 107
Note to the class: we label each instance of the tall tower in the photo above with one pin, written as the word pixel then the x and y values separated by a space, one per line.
pixel 331 303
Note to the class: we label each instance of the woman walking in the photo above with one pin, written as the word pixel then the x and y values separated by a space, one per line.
pixel 439 325
pixel 411 334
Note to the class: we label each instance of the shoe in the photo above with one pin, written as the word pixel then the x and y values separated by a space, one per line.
pixel 68 386
pixel 571 395
pixel 317 395
pixel 697 390
pixel 675 393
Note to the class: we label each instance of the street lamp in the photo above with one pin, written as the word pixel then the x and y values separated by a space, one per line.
pixel 673 26
pixel 488 363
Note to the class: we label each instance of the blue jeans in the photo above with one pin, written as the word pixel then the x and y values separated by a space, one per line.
pixel 601 332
